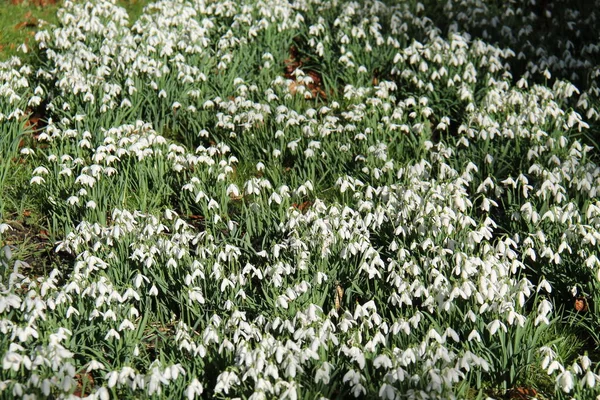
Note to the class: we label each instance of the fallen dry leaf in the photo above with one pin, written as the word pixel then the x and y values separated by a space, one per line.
pixel 339 294
pixel 87 380
pixel 521 393
pixel 29 21
pixel 581 304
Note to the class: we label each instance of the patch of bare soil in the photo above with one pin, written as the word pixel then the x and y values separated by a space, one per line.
pixel 39 249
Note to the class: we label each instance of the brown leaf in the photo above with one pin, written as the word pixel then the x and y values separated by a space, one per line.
pixel 302 206
pixel 521 393
pixel 86 379
pixel 581 304
pixel 293 87
pixel 339 294
pixel 29 21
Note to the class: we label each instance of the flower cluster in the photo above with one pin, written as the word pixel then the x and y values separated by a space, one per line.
pixel 300 199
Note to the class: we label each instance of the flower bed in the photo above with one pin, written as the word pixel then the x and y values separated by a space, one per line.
pixel 301 200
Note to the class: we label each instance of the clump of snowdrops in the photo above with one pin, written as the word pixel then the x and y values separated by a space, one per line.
pixel 400 216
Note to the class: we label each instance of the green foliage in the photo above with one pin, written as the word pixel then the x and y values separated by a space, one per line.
pixel 311 199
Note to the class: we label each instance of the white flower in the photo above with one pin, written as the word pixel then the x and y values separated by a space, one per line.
pixel 94 365
pixel 494 326
pixel 103 394
pixel 387 392
pixel 112 334
pixel 565 380
pixel 126 324
pixel 88 97
pixel 474 335
pixel 37 180
pixel 275 197
pixel 323 374
pixel 585 362
pixel 112 378
pixel 590 379
pixel 290 392
pixel 195 294
pixel 282 301
pixel 12 360
pixel 194 389
pixel 85 180
pixel 554 365
pixel 258 395
pixel 71 310
pixel 41 170
pixel 544 308
pixel 544 284
pixel 7 252
pixel 225 381
pixel 358 390
pixel 382 361
pixel 73 200
pixel 233 190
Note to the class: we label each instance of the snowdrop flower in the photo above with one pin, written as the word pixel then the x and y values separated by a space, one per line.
pixel 382 361
pixel 88 97
pixel 126 324
pixel 38 180
pixel 495 325
pixel 554 365
pixel 194 389
pixel 112 334
pixel 73 200
pixel 94 365
pixel 225 381
pixel 41 170
pixel 544 284
pixel 387 392
pixel 566 382
pixel 544 308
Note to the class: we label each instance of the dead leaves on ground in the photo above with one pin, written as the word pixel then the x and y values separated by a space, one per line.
pixel 85 384
pixel 29 21
pixel 293 63
pixel 521 393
